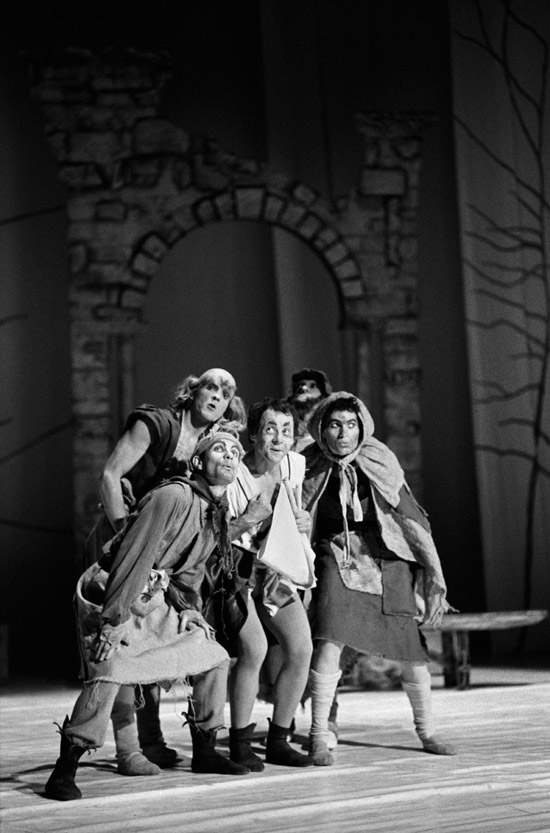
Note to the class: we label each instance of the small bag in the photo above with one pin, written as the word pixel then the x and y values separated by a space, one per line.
pixel 285 549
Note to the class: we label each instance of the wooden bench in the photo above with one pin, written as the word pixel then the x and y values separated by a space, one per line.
pixel 455 637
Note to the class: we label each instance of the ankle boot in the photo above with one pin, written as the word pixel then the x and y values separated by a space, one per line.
pixel 151 739
pixel 206 759
pixel 279 751
pixel 240 741
pixel 61 784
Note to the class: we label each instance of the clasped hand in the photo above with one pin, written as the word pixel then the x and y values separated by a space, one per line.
pixel 109 638
pixel 189 618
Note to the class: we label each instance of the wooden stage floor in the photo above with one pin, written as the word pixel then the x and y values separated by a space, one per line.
pixel 382 781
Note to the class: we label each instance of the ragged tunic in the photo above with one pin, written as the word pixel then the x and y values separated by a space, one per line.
pixel 157 464
pixel 176 529
pixel 373 543
pixel 364 600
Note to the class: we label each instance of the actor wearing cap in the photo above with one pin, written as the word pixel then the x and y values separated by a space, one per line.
pixel 309 388
pixel 156 444
pixel 374 547
pixel 140 616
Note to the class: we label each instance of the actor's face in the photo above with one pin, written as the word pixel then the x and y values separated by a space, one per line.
pixel 342 432
pixel 220 462
pixel 275 436
pixel 306 390
pixel 215 392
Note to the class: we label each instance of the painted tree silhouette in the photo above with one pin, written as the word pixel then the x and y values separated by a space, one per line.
pixel 6 420
pixel 510 271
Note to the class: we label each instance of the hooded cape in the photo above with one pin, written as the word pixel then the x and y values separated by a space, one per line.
pixel 403 524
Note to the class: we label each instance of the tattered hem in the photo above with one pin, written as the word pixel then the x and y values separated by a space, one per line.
pixel 166 683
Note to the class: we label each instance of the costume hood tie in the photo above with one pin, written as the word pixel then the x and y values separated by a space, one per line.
pixel 377 461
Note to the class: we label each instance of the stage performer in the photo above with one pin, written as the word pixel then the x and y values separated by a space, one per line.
pixel 374 548
pixel 139 612
pixel 274 601
pixel 156 443
pixel 309 388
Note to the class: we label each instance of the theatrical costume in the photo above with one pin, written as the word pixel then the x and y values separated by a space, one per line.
pixel 376 562
pixel 157 464
pixel 135 599
pixel 273 589
pixel 160 461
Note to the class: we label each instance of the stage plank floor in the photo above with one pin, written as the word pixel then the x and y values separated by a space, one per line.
pixel 381 781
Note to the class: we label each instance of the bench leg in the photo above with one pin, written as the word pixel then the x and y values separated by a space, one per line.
pixel 456 659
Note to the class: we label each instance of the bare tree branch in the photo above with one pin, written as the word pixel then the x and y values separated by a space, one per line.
pixel 536 271
pixel 503 322
pixel 29 215
pixel 501 163
pixel 19 316
pixel 525 275
pixel 518 247
pixel 536 316
pixel 509 231
pixel 532 211
pixel 37 440
pixel 490 51
pixel 526 109
pixel 526 423
pixel 514 452
pixel 502 394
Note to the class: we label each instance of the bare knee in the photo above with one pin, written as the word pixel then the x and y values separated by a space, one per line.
pixel 252 649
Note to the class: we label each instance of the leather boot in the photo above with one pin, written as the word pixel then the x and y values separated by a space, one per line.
pixel 206 759
pixel 240 751
pixel 279 751
pixel 151 739
pixel 61 784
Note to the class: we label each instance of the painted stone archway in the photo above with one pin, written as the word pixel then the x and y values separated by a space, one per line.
pixel 137 184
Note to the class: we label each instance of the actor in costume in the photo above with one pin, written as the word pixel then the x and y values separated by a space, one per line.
pixel 274 601
pixel 139 612
pixel 373 549
pixel 309 388
pixel 156 444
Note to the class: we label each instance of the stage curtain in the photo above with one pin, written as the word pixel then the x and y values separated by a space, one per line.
pixel 501 108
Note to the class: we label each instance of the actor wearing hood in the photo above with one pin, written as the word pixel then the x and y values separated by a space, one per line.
pixel 139 611
pixel 374 550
